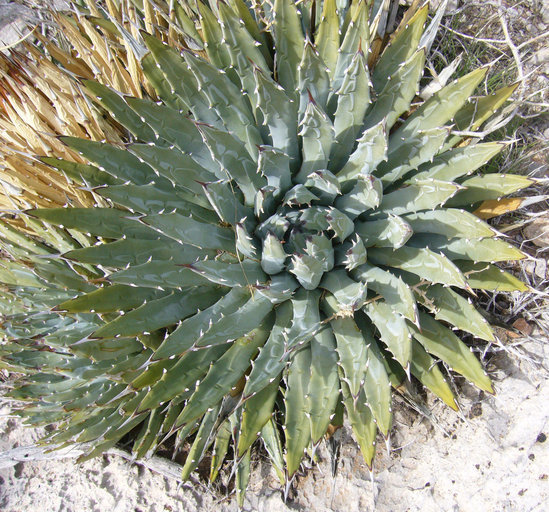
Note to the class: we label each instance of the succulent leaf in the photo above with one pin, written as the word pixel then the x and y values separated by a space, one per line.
pixel 256 413
pixel 397 93
pixel 490 186
pixel 313 80
pixel 221 447
pixel 186 230
pixel 451 307
pixel 297 428
pixel 192 328
pixel 485 276
pixel 357 35
pixel 450 223
pixel 353 99
pixel 400 49
pixel 362 422
pixel 289 44
pixel 114 102
pixel 485 249
pixel 443 343
pixel 242 477
pixel 370 151
pixel 377 386
pixel 392 231
pixel 317 136
pixel 203 438
pixel 419 148
pixel 439 108
pixel 427 371
pixel 327 37
pixel 420 195
pixel 393 330
pixel 271 360
pixel 273 445
pixel 454 163
pixel 323 392
pixel 160 275
pixel 473 115
pixel 109 299
pixel 394 290
pixel 223 374
pixel 423 262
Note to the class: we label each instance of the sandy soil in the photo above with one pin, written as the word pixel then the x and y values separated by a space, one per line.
pixel 494 458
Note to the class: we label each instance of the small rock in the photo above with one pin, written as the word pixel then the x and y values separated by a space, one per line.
pixel 452 5
pixel 545 14
pixel 541 56
pixel 538 232
pixel 536 267
pixel 476 410
pixel 539 165
pixel 523 326
pixel 12 23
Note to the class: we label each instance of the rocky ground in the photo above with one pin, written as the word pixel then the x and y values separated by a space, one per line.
pixel 492 456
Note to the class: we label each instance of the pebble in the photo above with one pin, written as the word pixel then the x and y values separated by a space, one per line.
pixel 523 326
pixel 536 267
pixel 538 232
pixel 541 56
pixel 545 14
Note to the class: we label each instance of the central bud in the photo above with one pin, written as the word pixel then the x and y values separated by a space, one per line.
pixel 305 219
pixel 301 232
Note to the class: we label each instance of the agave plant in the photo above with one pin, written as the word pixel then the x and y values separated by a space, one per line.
pixel 285 234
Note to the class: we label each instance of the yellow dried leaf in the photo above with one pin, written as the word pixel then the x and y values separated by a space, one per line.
pixel 134 69
pixel 495 207
pixel 375 51
pixel 150 18
pixel 72 64
pixel 92 6
pixel 113 10
pixel 121 79
pixel 99 49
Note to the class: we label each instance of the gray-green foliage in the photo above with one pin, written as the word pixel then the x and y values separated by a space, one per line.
pixel 274 242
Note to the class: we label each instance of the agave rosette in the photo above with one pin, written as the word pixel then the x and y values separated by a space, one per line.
pixel 285 239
